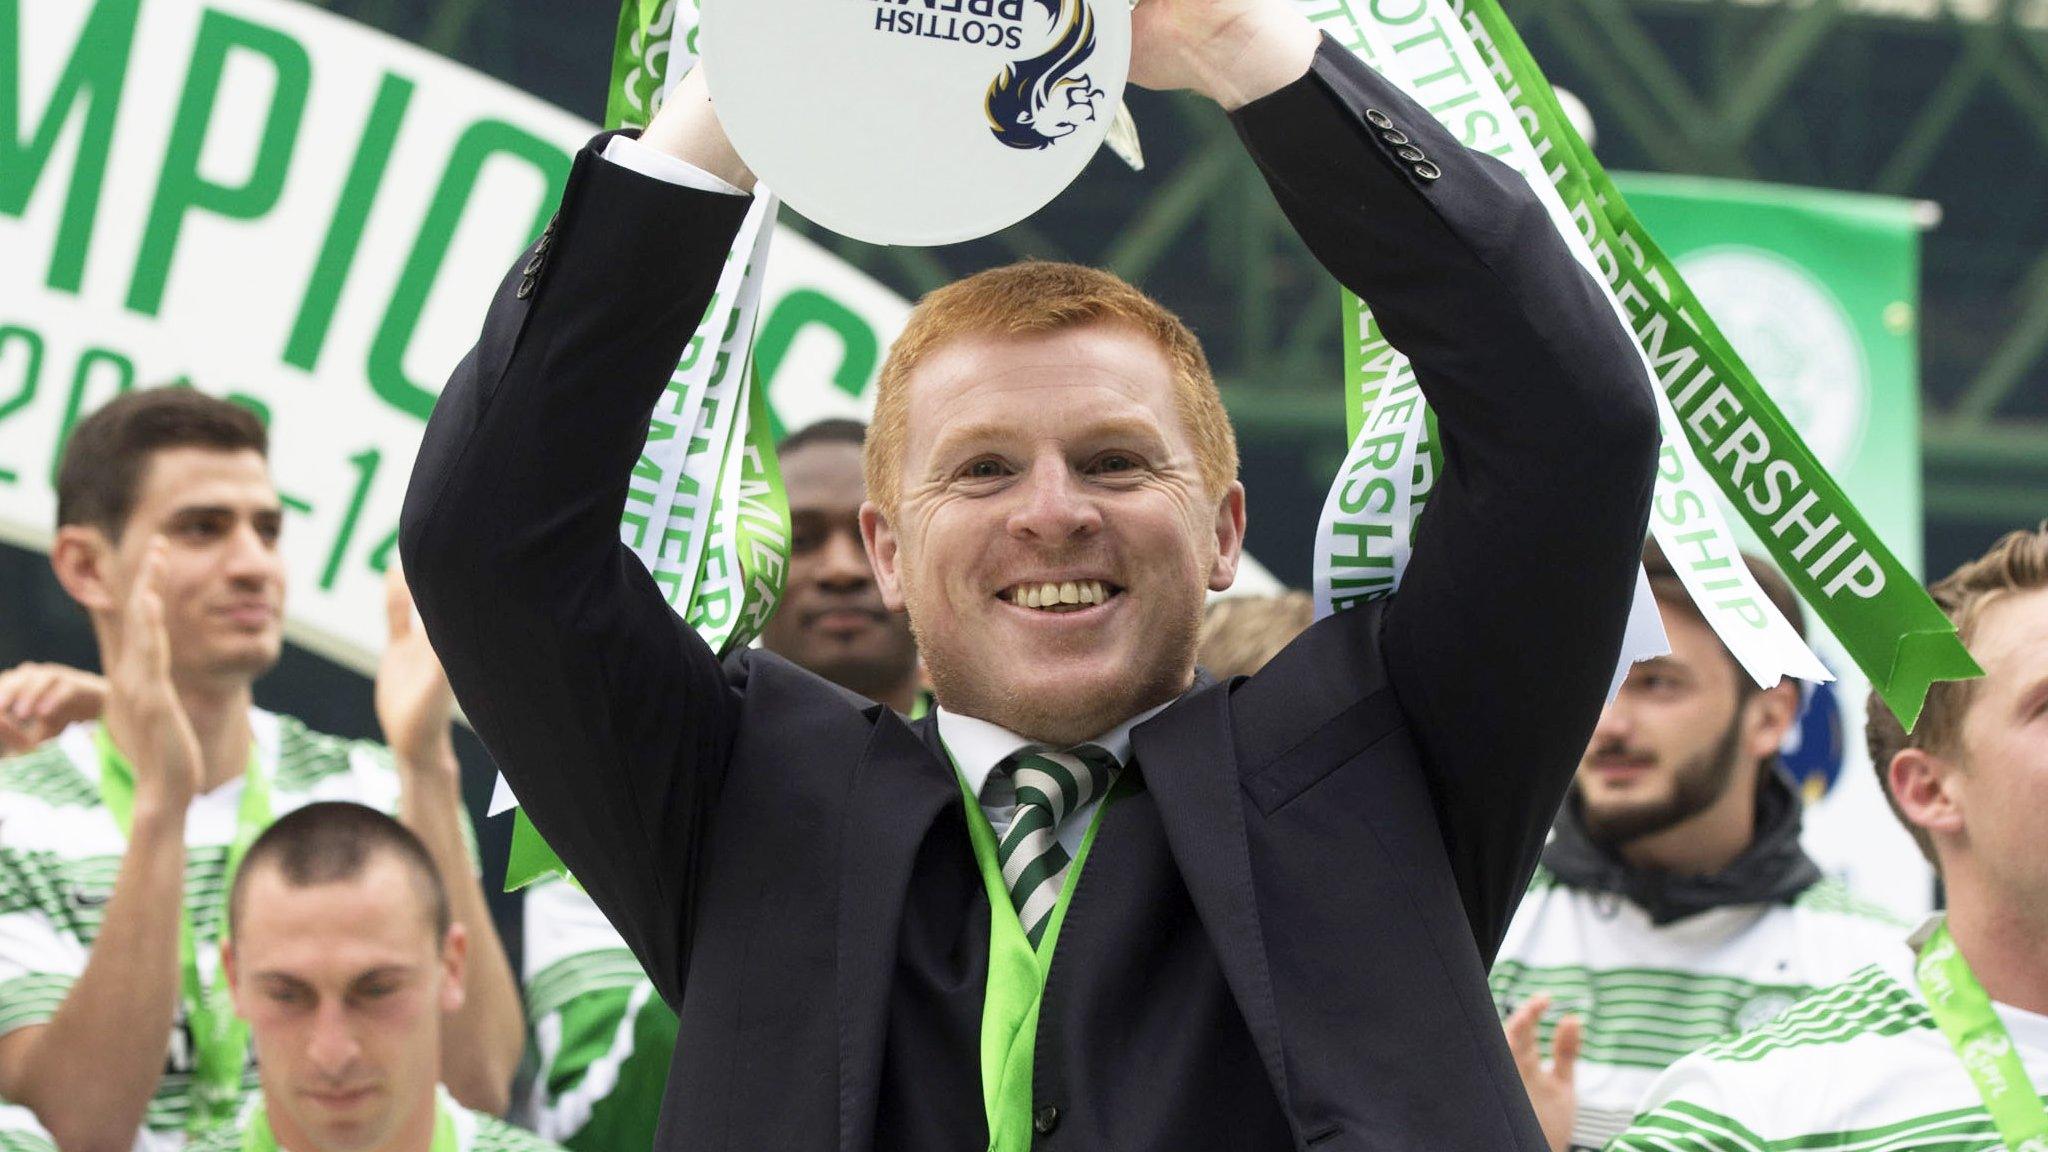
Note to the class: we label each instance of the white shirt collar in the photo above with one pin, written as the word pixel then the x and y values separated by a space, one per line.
pixel 978 746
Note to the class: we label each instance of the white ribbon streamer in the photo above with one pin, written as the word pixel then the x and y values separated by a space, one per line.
pixel 1422 47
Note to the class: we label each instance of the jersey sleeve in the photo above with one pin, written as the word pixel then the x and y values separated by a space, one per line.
pixel 494 1135
pixel 19 1131
pixel 224 1138
pixel 1691 1107
pixel 602 1036
pixel 39 961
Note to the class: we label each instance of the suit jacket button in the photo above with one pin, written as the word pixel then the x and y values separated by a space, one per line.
pixel 1378 118
pixel 1047 1119
pixel 1428 171
pixel 1394 136
pixel 525 288
pixel 1411 154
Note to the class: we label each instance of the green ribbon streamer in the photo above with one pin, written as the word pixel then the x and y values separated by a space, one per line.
pixel 761 522
pixel 220 1040
pixel 1884 619
pixel 530 860
pixel 638 49
pixel 1962 1010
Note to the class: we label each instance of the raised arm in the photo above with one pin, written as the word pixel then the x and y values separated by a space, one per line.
pixel 610 718
pixel 481 1045
pixel 88 1073
pixel 1505 632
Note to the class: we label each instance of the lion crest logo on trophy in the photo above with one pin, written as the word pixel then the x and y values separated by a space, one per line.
pixel 1037 101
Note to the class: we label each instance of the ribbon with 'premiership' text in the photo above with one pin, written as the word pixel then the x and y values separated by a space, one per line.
pixel 1462 60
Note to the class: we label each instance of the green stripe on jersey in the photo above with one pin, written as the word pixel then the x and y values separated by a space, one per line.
pixel 609 969
pixel 1857 1067
pixel 1639 1017
pixel 1682 1127
pixel 32 999
pixel 1832 896
pixel 489 1134
pixel 19 1131
pixel 48 776
pixel 1869 1003
pixel 306 757
pixel 494 1135
pixel 171 1108
pixel 72 892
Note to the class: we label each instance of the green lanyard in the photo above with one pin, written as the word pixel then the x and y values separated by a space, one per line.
pixel 257 1137
pixel 220 1041
pixel 1014 988
pixel 1963 1011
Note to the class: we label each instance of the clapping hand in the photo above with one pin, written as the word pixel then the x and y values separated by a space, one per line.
pixel 1549 1084
pixel 414 703
pixel 144 714
pixel 37 701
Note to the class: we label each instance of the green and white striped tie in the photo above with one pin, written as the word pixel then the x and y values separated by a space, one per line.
pixel 1051 787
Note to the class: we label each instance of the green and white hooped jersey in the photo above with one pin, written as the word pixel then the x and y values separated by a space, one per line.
pixel 603 1036
pixel 19 1131
pixel 474 1132
pixel 1651 994
pixel 60 851
pixel 1859 1067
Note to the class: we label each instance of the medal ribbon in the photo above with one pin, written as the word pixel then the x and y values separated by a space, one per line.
pixel 220 1041
pixel 1963 1012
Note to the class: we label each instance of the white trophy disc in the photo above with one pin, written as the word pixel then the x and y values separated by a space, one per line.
pixel 916 121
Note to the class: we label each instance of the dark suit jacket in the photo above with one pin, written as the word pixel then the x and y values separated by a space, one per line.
pixel 1344 835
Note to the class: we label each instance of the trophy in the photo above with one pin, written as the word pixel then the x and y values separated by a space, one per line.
pixel 916 121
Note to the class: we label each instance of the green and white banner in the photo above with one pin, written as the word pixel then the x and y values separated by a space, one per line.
pixel 273 204
pixel 1466 64
pixel 1817 289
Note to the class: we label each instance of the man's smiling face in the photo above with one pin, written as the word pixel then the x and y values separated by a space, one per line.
pixel 1053 538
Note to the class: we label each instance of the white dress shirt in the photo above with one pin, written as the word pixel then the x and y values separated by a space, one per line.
pixel 978 746
pixel 627 152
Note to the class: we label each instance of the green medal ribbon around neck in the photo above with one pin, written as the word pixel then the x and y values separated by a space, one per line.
pixel 257 1137
pixel 1962 1010
pixel 220 1040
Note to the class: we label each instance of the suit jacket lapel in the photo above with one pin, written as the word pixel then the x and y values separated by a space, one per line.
pixel 1186 755
pixel 902 784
